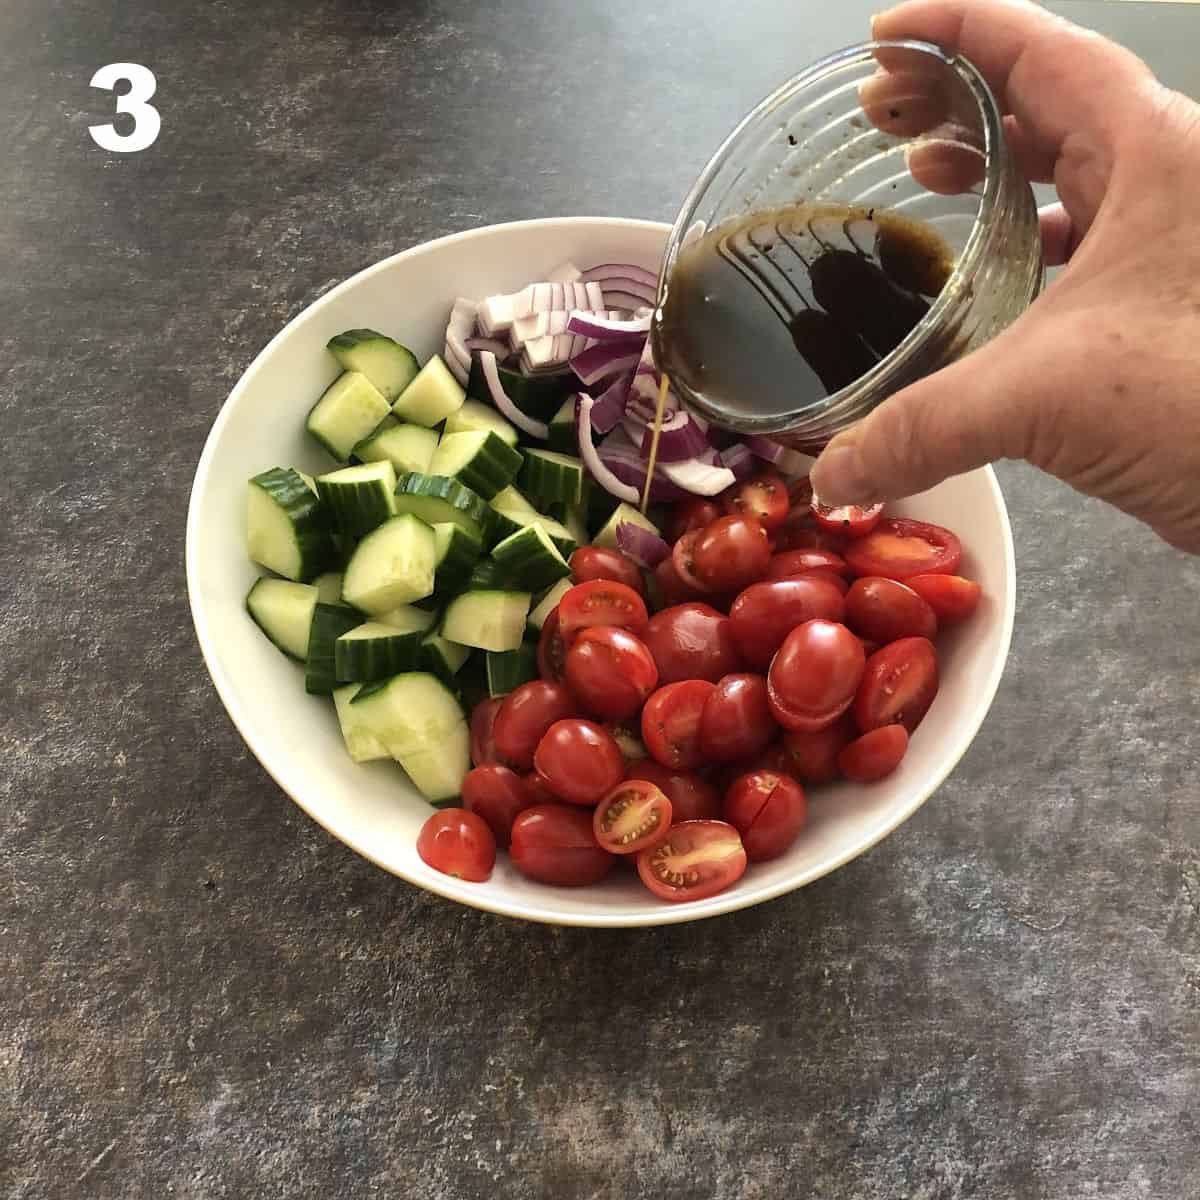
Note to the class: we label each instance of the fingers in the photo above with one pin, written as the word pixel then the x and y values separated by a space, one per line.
pixel 1058 235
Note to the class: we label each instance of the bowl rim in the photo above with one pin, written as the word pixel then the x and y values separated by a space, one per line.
pixel 670 914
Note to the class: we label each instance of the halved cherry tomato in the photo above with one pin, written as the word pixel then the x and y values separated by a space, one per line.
pixel 736 723
pixel 671 723
pixel 554 843
pixel 610 671
pixel 692 797
pixel 552 649
pixel 670 588
pixel 694 513
pixel 692 641
pixel 497 794
pixel 765 613
pixel 952 597
pixel 763 496
pixel 812 755
pixel 899 548
pixel 579 760
pixel 683 560
pixel 601 562
pixel 801 533
pixel 524 716
pixel 815 674
pixel 483 741
pixel 768 810
pixel 849 519
pixel 458 843
pixel 875 754
pixel 634 816
pixel 898 685
pixel 729 554
pixel 600 602
pixel 695 860
pixel 628 736
pixel 801 562
pixel 883 610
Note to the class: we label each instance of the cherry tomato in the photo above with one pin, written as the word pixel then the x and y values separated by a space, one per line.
pixel 634 816
pixel 729 554
pixel 483 720
pixel 600 602
pixel 536 790
pixel 692 797
pixel 812 756
pixel 737 722
pixel 610 672
pixel 554 843
pixel 695 860
pixel 671 723
pixel 875 754
pixel 670 588
pixel 458 843
pixel 683 561
pixel 765 613
pixel 628 736
pixel 801 533
pixel 898 685
pixel 764 497
pixel 497 794
pixel 850 519
pixel 869 647
pixel 579 760
pixel 600 562
pixel 814 676
pixel 693 513
pixel 900 548
pixel 883 610
pixel 838 582
pixel 801 562
pixel 768 810
pixel 800 495
pixel 951 597
pixel 692 641
pixel 552 649
pixel 525 715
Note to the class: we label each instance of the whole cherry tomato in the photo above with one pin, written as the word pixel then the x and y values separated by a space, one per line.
pixel 524 716
pixel 737 723
pixel 812 756
pixel 458 843
pixel 765 613
pixel 601 562
pixel 610 671
pixel 801 562
pixel 731 553
pixel 579 760
pixel 693 513
pixel 554 843
pixel 692 641
pixel 483 721
pixel 497 794
pixel 815 674
pixel 768 810
pixel 692 797
pixel 883 610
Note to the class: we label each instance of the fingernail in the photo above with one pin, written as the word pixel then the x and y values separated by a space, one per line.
pixel 839 477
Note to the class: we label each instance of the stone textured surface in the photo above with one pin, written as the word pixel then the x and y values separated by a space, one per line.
pixel 202 995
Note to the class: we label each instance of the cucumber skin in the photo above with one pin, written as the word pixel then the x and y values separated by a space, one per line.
pixel 524 560
pixel 506 670
pixel 330 621
pixel 364 662
pixel 457 495
pixel 539 397
pixel 315 537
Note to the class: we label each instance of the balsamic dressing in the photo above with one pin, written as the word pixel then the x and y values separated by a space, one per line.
pixel 783 308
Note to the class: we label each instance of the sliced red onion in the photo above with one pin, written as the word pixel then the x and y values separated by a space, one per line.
pixel 679 438
pixel 604 330
pixel 739 460
pixel 607 359
pixel 495 315
pixel 595 297
pixel 456 367
pixel 607 271
pixel 699 475
pixel 592 460
pixel 624 298
pixel 646 548
pixel 625 461
pixel 567 273
pixel 610 404
pixel 765 448
pixel 493 345
pixel 506 407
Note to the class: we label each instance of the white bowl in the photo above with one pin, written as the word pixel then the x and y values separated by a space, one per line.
pixel 371 807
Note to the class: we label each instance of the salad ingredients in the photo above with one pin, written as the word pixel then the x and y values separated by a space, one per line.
pixel 768 809
pixel 459 843
pixel 634 816
pixel 610 671
pixel 555 844
pixel 579 760
pixel 696 859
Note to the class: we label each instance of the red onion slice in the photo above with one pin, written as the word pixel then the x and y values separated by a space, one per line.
pixel 646 549
pixel 680 438
pixel 605 330
pixel 606 271
pixel 739 460
pixel 587 451
pixel 699 476
pixel 492 345
pixel 765 448
pixel 610 404
pixel 623 298
pixel 607 359
pixel 625 461
pixel 506 407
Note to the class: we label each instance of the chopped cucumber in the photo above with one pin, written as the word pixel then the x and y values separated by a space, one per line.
pixel 549 477
pixel 350 408
pixel 359 498
pixel 309 481
pixel 329 622
pixel 443 657
pixel 506 522
pixel 486 576
pixel 361 744
pixel 563 437
pixel 431 397
pixel 482 461
pixel 475 417
pixel 624 512
pixel 456 551
pixel 287 526
pixel 438 773
pixel 392 565
pixel 283 610
pixel 489 620
pixel 382 648
pixel 598 506
pixel 510 500
pixel 438 501
pixel 537 396
pixel 548 603
pixel 406 447
pixel 571 518
pixel 329 587
pixel 508 669
pixel 529 559
pixel 390 366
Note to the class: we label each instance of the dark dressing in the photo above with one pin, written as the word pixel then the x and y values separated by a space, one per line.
pixel 776 311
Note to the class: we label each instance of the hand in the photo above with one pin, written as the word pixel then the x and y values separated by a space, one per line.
pixel 1098 382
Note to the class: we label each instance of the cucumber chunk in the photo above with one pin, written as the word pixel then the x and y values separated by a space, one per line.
pixel 548 603
pixel 529 559
pixel 537 396
pixel 431 397
pixel 406 447
pixel 623 512
pixel 389 366
pixel 456 551
pixel 563 437
pixel 507 522
pixel 443 657
pixel 350 408
pixel 361 744
pixel 549 477
pixel 438 773
pixel 378 649
pixel 287 526
pixel 392 565
pixel 329 622
pixel 510 500
pixel 488 620
pixel 508 669
pixel 283 610
pixel 438 501
pixel 329 587
pixel 482 461
pixel 475 417
pixel 359 498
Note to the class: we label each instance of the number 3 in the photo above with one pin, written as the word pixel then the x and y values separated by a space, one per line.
pixel 146 121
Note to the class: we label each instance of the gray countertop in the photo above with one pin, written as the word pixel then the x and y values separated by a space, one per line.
pixel 203 995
